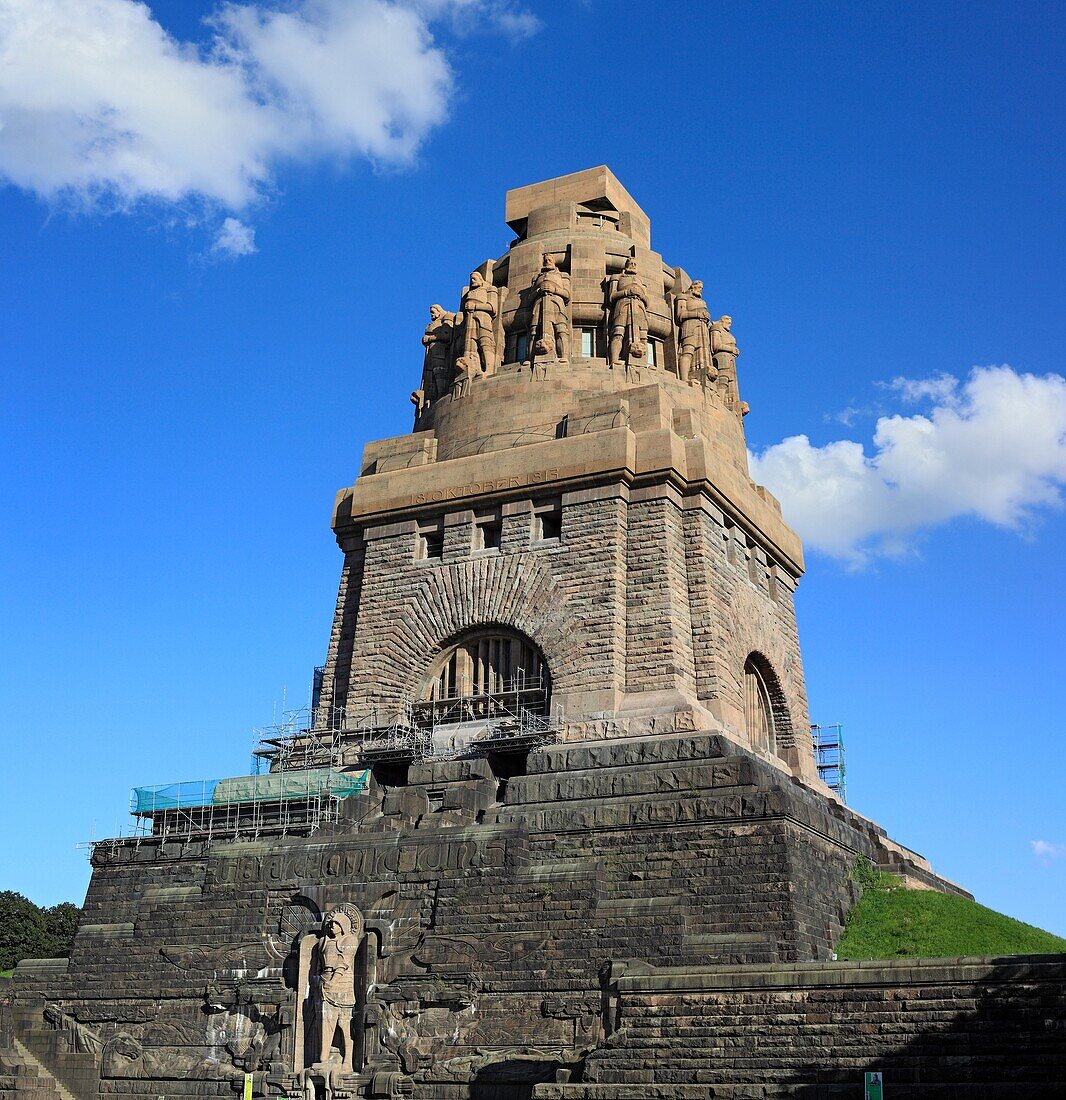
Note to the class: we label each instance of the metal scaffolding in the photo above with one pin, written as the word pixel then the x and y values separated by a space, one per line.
pixel 296 741
pixel 246 807
pixel 304 767
pixel 522 694
pixel 828 744
pixel 513 719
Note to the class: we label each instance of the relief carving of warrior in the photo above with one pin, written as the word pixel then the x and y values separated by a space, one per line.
pixel 334 965
pixel 628 303
pixel 725 351
pixel 694 334
pixel 479 309
pixel 550 324
pixel 438 340
pixel 79 1038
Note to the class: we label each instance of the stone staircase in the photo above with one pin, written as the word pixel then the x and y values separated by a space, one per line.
pixel 23 1077
pixel 37 1060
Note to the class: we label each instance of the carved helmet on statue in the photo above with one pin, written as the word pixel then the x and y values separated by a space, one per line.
pixel 348 918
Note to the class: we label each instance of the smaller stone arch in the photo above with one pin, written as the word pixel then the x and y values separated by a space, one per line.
pixel 766 714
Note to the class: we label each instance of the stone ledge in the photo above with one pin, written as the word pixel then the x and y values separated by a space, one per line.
pixel 638 977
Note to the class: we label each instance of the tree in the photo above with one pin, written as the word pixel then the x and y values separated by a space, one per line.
pixel 23 931
pixel 61 922
pixel 29 932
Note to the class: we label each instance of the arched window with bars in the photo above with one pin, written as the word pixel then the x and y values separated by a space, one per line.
pixel 490 673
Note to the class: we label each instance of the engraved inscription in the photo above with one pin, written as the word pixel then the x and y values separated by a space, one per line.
pixel 493 486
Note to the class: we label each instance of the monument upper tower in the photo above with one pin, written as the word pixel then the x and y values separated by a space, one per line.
pixel 574 503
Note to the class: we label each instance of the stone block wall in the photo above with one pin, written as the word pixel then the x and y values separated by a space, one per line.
pixel 658 619
pixel 337 671
pixel 493 910
pixel 942 1028
pixel 649 603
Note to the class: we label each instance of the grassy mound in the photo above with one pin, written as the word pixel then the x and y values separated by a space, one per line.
pixel 893 922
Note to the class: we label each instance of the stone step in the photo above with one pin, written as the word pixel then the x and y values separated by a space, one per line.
pixel 71 1069
pixel 627 752
pixel 647 781
pixel 797 1090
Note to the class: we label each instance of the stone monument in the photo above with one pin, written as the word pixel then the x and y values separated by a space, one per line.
pixel 724 353
pixel 628 299
pixel 550 328
pixel 694 355
pixel 438 369
pixel 479 309
pixel 554 828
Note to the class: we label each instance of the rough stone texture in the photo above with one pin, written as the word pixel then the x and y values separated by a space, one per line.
pixel 497 927
pixel 933 1027
pixel 491 919
pixel 619 605
pixel 619 611
pixel 646 907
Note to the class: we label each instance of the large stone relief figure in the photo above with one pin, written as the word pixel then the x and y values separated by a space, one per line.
pixel 550 324
pixel 79 1039
pixel 479 308
pixel 694 334
pixel 438 340
pixel 334 964
pixel 725 351
pixel 628 301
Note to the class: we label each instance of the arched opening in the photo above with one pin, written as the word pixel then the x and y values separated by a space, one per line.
pixel 491 673
pixel 758 709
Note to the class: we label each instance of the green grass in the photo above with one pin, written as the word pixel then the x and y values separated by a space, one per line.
pixel 893 922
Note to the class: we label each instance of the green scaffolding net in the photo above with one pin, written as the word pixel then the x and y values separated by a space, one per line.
pixel 271 787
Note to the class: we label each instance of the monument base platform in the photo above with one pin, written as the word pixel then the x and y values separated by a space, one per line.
pixel 655 914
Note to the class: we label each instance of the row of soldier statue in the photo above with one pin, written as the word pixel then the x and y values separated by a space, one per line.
pixel 460 345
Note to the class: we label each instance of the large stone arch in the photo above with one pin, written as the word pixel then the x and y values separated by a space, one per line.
pixel 503 590
pixel 747 622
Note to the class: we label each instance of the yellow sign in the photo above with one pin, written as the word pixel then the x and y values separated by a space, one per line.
pixel 247 1086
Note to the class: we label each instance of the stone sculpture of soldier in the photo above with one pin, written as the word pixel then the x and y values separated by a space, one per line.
pixel 725 351
pixel 550 325
pixel 479 308
pixel 438 340
pixel 629 316
pixel 334 970
pixel 694 334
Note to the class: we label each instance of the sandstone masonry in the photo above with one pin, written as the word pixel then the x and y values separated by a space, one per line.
pixel 554 828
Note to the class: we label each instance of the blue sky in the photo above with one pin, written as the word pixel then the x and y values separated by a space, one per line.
pixel 218 264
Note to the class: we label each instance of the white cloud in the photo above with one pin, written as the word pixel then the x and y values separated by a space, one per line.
pixel 235 239
pixel 941 387
pixel 1045 851
pixel 100 105
pixel 846 416
pixel 473 16
pixel 992 447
